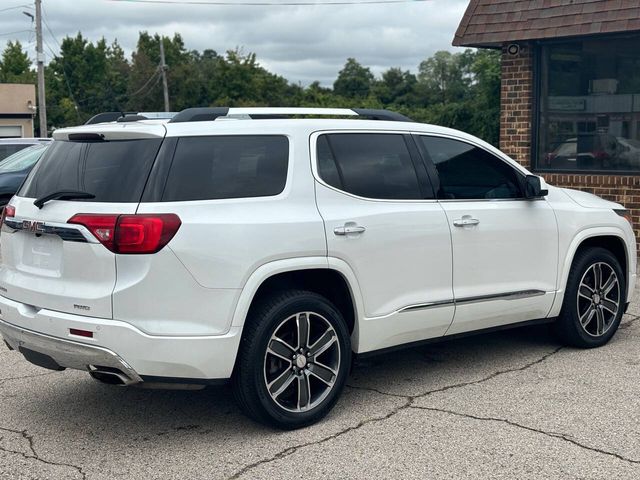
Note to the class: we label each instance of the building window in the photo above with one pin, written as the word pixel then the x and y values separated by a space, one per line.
pixel 589 106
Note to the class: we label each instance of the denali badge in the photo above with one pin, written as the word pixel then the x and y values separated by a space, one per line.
pixel 33 226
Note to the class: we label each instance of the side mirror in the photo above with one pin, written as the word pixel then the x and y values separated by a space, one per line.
pixel 533 188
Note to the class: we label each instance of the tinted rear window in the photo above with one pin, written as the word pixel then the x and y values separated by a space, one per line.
pixel 208 168
pixel 113 171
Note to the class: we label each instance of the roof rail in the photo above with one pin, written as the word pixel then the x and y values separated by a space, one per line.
pixel 204 114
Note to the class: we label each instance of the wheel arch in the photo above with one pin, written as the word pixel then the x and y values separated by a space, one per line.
pixel 612 239
pixel 332 278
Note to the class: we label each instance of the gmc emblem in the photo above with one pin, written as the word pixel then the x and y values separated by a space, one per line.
pixel 33 226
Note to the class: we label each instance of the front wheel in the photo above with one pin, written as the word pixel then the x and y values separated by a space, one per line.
pixel 293 360
pixel 594 299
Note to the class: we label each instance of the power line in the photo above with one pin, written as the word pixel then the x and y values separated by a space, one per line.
pixel 16 7
pixel 269 3
pixel 6 34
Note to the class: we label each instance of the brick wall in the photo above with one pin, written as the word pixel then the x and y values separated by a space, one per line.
pixel 516 134
pixel 516 97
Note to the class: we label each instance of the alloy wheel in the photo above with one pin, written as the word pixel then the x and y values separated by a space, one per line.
pixel 598 299
pixel 302 361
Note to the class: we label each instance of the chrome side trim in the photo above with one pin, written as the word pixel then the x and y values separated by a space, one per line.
pixel 424 306
pixel 502 296
pixel 481 298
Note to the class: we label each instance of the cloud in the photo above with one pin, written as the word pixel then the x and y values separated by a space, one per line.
pixel 301 43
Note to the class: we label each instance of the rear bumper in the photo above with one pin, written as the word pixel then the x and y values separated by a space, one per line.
pixel 65 353
pixel 118 345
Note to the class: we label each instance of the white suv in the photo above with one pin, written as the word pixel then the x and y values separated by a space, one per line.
pixel 242 244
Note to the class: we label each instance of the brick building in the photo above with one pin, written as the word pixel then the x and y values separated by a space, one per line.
pixel 570 100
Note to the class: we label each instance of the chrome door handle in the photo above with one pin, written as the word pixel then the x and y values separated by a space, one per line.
pixel 349 228
pixel 465 221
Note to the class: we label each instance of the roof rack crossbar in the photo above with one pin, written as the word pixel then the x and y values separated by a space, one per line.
pixel 212 113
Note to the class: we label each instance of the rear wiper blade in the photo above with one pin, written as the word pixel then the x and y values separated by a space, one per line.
pixel 62 195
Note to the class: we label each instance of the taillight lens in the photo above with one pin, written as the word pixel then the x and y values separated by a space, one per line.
pixel 8 211
pixel 131 234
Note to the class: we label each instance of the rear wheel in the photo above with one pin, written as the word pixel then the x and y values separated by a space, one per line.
pixel 594 299
pixel 293 360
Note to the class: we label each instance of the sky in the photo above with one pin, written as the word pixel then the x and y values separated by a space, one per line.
pixel 301 43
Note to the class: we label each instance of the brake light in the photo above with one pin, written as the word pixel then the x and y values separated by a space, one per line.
pixel 8 211
pixel 131 234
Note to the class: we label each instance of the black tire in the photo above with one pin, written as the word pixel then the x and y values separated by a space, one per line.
pixel 575 307
pixel 273 315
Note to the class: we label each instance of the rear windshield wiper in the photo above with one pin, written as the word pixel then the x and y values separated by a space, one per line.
pixel 62 195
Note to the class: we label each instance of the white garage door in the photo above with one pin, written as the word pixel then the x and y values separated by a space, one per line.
pixel 10 131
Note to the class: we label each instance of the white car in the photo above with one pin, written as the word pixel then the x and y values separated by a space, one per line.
pixel 241 244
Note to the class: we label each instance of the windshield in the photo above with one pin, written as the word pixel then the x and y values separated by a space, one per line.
pixel 23 159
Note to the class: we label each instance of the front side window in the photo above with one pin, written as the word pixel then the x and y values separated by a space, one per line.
pixel 371 165
pixel 467 172
pixel 234 166
pixel 590 106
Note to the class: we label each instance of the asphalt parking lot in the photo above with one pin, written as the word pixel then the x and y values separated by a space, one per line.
pixel 505 405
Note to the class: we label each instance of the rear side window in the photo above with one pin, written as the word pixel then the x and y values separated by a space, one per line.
pixel 369 165
pixel 238 166
pixel 113 171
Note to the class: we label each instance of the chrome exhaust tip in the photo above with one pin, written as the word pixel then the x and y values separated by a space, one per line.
pixel 110 376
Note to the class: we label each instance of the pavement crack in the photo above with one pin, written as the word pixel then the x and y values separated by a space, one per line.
pixel 628 323
pixel 34 455
pixel 560 436
pixel 463 384
pixel 409 399
pixel 3 380
pixel 291 450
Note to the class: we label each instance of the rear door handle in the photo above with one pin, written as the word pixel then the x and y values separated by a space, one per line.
pixel 465 221
pixel 349 228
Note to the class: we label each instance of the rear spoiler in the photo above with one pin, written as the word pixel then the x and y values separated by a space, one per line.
pixel 108 117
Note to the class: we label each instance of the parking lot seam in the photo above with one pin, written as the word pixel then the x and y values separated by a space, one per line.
pixel 409 399
pixel 3 380
pixel 34 455
pixel 560 436
pixel 291 450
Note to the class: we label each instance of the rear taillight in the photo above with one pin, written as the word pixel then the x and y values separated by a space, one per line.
pixel 8 211
pixel 133 234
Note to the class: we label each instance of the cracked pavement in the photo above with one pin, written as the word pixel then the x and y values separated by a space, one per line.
pixel 502 405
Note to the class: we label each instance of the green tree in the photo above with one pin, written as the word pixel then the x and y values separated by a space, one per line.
pixel 396 87
pixel 354 80
pixel 442 79
pixel 86 75
pixel 15 66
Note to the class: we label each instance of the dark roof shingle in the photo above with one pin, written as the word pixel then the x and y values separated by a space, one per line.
pixel 493 22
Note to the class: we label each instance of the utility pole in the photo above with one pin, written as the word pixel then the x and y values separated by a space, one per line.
pixel 163 72
pixel 42 105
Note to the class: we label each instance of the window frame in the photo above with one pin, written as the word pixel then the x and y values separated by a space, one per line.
pixel 424 182
pixel 536 96
pixel 435 177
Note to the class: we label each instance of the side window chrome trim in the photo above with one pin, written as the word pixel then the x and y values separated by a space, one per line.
pixel 313 140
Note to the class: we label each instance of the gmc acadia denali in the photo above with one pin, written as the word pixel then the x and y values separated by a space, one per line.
pixel 267 247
